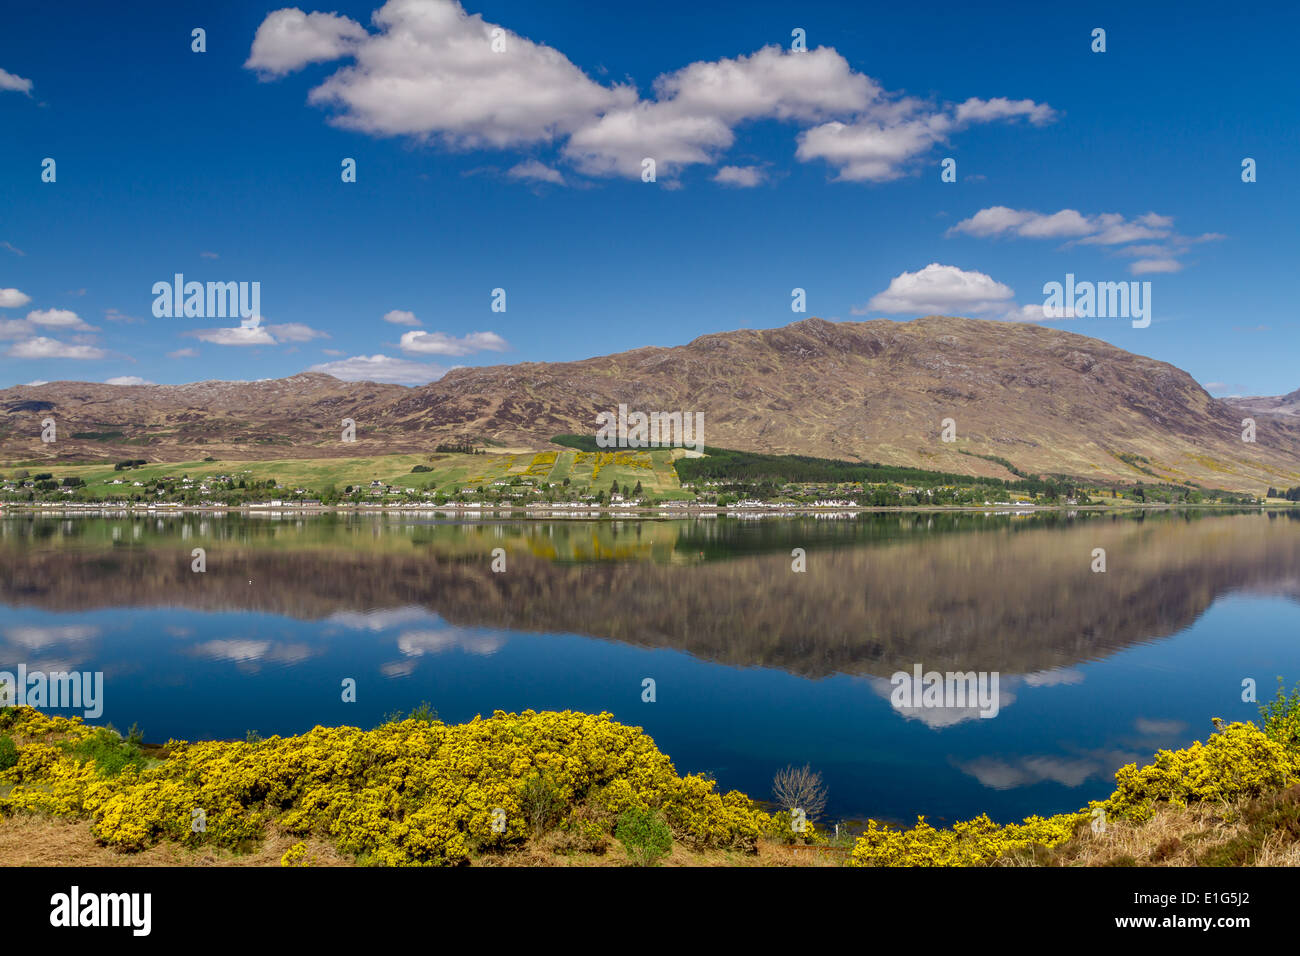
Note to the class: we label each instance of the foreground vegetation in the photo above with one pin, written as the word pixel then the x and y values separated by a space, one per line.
pixel 534 787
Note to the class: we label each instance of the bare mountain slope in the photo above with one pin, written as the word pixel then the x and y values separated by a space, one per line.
pixel 1045 400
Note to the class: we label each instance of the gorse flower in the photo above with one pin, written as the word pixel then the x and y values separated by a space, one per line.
pixel 414 791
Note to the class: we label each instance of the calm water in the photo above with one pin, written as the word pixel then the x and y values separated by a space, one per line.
pixel 755 666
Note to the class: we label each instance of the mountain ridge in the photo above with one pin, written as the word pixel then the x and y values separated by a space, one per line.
pixel 1044 399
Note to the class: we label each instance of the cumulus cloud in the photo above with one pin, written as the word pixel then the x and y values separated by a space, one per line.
pixel 1147 266
pixel 128 380
pixel 10 81
pixel 1127 237
pixel 434 72
pixel 381 368
pixel 296 332
pixel 289 39
pixel 64 319
pixel 743 176
pixel 941 289
pixel 1001 220
pixel 401 317
pixel 242 335
pixel 975 110
pixel 45 348
pixel 537 171
pixel 252 332
pixel 439 343
pixel 13 299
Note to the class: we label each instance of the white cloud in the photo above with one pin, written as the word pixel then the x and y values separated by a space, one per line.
pixel 381 368
pixel 243 335
pixel 866 151
pixel 1148 266
pixel 10 81
pixel 1127 237
pixel 940 289
pixel 13 299
pixel 58 319
pixel 536 170
pixel 430 72
pixel 743 176
pixel 401 317
pixel 183 353
pixel 877 145
pixel 617 143
pixel 1037 312
pixel 289 39
pixel 1114 230
pixel 1000 220
pixel 128 380
pixel 696 107
pixel 43 348
pixel 296 332
pixel 975 110
pixel 439 343
pixel 252 332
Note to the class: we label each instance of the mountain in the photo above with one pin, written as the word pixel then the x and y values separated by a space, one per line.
pixel 1043 400
pixel 1268 405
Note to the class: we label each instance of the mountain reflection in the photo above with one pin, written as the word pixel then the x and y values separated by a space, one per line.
pixel 880 593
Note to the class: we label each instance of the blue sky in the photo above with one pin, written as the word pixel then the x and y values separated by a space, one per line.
pixel 520 169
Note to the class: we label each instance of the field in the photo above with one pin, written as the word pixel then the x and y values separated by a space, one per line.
pixel 651 467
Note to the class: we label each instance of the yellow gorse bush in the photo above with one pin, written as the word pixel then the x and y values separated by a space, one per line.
pixel 1239 760
pixel 410 792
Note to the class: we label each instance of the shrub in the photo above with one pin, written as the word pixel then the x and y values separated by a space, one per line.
pixel 541 802
pixel 8 753
pixel 1238 760
pixel 1282 717
pixel 645 835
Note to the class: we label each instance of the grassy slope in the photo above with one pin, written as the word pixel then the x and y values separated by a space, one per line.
pixel 653 468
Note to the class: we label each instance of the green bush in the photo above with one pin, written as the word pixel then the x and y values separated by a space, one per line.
pixel 8 753
pixel 1282 717
pixel 108 751
pixel 644 835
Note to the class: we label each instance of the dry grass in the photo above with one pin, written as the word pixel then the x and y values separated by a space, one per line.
pixel 1258 832
pixel 32 840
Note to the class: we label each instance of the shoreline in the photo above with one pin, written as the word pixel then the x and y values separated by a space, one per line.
pixel 691 511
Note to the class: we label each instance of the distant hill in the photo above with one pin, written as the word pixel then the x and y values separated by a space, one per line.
pixel 1269 405
pixel 1042 400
